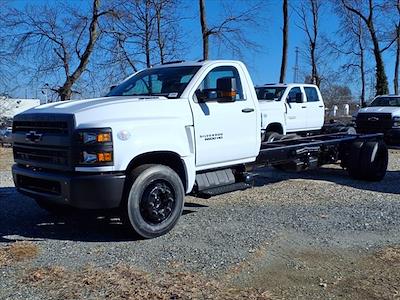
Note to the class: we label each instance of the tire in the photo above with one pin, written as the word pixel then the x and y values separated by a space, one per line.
pixel 53 208
pixel 153 200
pixel 368 161
pixel 353 160
pixel 288 137
pixel 272 136
pixel 374 161
pixel 348 130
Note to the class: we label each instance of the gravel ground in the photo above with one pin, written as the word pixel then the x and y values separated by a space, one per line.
pixel 316 234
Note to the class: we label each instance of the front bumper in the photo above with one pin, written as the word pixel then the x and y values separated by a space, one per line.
pixel 80 190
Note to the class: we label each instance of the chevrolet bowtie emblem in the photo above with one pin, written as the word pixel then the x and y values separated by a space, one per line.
pixel 33 137
pixel 373 119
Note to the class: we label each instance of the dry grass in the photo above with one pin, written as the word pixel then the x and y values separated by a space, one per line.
pixel 6 159
pixel 18 251
pixel 124 282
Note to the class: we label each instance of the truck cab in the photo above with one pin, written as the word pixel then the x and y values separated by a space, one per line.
pixel 381 115
pixel 290 108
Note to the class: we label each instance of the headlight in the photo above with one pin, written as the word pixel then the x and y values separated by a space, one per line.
pixel 95 137
pixel 396 121
pixel 94 147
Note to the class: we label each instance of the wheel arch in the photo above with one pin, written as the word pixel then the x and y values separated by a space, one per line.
pixel 276 127
pixel 166 158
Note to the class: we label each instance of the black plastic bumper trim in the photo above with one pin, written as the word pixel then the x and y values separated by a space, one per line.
pixel 86 191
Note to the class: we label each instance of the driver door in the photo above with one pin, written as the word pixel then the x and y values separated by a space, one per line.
pixel 296 117
pixel 225 132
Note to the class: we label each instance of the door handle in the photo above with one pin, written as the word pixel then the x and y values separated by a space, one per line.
pixel 247 110
pixel 321 106
pixel 304 107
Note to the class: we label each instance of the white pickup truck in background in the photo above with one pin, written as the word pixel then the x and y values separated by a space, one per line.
pixel 290 108
pixel 381 115
pixel 170 130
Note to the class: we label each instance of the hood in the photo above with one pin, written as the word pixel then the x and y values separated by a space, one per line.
pixel 93 112
pixel 381 109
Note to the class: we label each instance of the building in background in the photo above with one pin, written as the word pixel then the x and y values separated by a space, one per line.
pixel 9 107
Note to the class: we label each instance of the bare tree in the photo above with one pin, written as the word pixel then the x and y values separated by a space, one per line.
pixel 285 40
pixel 352 45
pixel 230 32
pixel 308 12
pixel 57 41
pixel 367 17
pixel 141 33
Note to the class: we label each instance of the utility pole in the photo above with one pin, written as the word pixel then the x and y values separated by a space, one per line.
pixel 296 67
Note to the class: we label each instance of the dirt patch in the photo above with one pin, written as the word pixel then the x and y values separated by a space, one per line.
pixel 124 282
pixel 6 159
pixel 18 251
pixel 328 273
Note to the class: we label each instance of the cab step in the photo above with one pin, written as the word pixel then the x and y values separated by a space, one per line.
pixel 239 186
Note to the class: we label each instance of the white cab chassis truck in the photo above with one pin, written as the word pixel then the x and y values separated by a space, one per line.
pixel 174 129
pixel 290 108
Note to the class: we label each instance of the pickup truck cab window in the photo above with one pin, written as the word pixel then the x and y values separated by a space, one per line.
pixel 207 90
pixel 311 93
pixel 293 94
pixel 270 93
pixel 386 101
pixel 168 82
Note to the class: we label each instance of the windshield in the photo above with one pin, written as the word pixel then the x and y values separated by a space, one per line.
pixel 169 82
pixel 270 93
pixel 386 101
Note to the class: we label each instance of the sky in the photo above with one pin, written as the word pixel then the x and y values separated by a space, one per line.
pixel 264 64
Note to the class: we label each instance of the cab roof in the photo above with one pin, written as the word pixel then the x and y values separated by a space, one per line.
pixel 194 63
pixel 290 85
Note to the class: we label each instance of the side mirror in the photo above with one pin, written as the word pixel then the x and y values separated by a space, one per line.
pixel 299 98
pixel 112 87
pixel 226 89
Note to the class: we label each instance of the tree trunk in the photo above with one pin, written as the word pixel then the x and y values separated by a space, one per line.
pixel 160 41
pixel 204 29
pixel 396 66
pixel 362 71
pixel 285 33
pixel 65 92
pixel 147 34
pixel 381 79
pixel 314 72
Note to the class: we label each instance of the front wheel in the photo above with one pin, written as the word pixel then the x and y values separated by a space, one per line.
pixel 154 200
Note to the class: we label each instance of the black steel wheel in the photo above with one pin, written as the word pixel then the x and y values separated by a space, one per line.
pixel 158 202
pixel 154 200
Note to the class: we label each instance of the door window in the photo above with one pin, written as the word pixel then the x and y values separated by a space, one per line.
pixel 293 94
pixel 312 94
pixel 207 90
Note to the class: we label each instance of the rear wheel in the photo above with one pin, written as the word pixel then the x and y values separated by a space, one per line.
pixel 272 136
pixel 154 200
pixel 368 161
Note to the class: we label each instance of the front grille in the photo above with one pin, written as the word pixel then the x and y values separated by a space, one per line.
pixel 374 122
pixel 44 140
pixel 31 154
pixel 39 185
pixel 41 126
